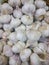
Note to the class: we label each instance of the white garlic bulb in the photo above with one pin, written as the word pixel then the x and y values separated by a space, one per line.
pixel 5 19
pixel 33 35
pixel 18 47
pixel 25 63
pixel 6 9
pixel 34 59
pixel 28 9
pixel 12 37
pixel 17 13
pixel 7 51
pixel 27 1
pixel 40 13
pixel 14 60
pixel 3 60
pixel 15 22
pixel 21 35
pixel 14 3
pixel 40 3
pixel 27 20
pixel 24 55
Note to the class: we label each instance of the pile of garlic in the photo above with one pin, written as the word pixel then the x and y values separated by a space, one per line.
pixel 24 32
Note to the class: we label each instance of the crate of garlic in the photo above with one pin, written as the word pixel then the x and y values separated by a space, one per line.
pixel 24 32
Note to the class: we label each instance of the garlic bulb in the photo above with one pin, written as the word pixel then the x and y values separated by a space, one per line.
pixel 12 37
pixel 7 51
pixel 27 20
pixel 17 13
pixel 21 35
pixel 40 3
pixel 27 1
pixel 33 35
pixel 5 19
pixel 15 22
pixel 25 63
pixel 3 60
pixel 18 47
pixel 29 10
pixel 34 59
pixel 14 60
pixel 24 55
pixel 6 9
pixel 14 3
pixel 40 13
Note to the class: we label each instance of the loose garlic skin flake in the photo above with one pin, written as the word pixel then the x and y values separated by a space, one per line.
pixel 40 13
pixel 29 10
pixel 6 9
pixel 24 55
pixel 27 20
pixel 34 59
pixel 5 19
pixel 18 47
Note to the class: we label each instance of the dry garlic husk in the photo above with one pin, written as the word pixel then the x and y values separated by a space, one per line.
pixel 33 35
pixel 3 60
pixel 41 48
pixel 29 10
pixel 18 47
pixel 14 3
pixel 25 63
pixel 14 60
pixel 6 9
pixel 25 54
pixel 27 20
pixel 34 59
pixel 21 35
pixel 27 1
pixel 40 13
pixel 5 19
pixel 15 22
pixel 7 51
pixel 40 3
pixel 31 44
pixel 12 37
pixel 17 13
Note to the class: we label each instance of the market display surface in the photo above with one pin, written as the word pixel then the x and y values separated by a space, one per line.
pixel 24 32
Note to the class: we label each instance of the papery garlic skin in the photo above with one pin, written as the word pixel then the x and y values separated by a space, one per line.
pixel 24 55
pixel 18 47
